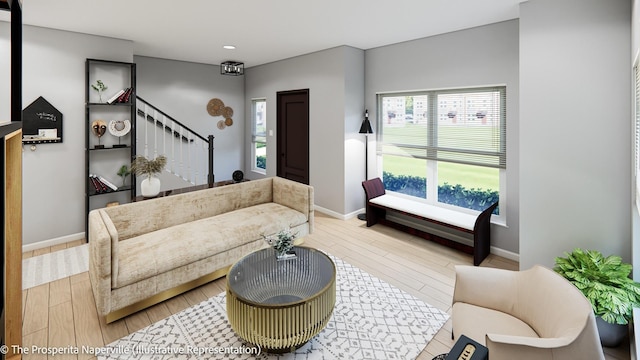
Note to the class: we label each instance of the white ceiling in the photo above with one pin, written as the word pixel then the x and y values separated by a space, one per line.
pixel 262 30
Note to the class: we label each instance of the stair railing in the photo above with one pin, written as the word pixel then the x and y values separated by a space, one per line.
pixel 186 150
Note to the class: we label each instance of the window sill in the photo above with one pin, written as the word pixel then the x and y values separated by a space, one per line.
pixel 259 172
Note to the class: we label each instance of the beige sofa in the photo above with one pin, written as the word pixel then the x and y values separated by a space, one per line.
pixel 145 252
pixel 527 315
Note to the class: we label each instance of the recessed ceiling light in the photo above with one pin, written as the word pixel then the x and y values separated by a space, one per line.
pixel 229 47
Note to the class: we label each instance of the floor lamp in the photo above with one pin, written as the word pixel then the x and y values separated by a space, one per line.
pixel 365 129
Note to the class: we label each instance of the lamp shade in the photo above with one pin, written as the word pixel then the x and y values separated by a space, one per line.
pixel 365 128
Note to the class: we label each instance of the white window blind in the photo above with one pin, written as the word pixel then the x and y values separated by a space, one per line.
pixel 466 126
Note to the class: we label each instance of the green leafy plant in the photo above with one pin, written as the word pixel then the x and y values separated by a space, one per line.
pixel 282 242
pixel 143 166
pixel 123 173
pixel 100 87
pixel 261 162
pixel 604 281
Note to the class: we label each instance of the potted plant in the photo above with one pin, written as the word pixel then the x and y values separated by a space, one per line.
pixel 605 282
pixel 100 87
pixel 150 186
pixel 123 173
pixel 282 243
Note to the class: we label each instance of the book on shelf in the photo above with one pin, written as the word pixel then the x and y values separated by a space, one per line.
pixel 116 96
pixel 96 185
pixel 101 184
pixel 125 96
pixel 107 182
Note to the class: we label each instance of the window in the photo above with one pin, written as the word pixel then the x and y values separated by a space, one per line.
pixel 447 147
pixel 259 135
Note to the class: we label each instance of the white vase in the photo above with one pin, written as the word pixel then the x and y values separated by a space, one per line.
pixel 150 186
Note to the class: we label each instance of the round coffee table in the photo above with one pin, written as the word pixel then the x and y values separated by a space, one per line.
pixel 279 305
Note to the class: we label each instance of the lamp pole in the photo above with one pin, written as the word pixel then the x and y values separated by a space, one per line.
pixel 365 129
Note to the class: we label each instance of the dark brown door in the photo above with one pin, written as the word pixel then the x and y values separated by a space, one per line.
pixel 293 135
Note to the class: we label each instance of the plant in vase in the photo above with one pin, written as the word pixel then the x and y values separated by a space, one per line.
pixel 282 242
pixel 141 166
pixel 123 173
pixel 605 282
pixel 100 87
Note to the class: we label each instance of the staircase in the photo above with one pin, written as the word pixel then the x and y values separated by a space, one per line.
pixel 189 154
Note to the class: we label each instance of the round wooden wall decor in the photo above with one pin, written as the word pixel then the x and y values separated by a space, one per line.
pixel 227 112
pixel 228 121
pixel 215 107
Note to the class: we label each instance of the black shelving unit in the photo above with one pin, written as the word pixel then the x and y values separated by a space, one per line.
pixel 105 155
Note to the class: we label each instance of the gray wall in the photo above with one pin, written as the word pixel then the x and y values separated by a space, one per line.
pixel 183 89
pixel 575 145
pixel 354 151
pixel 328 75
pixel 486 55
pixel 54 174
pixel 635 53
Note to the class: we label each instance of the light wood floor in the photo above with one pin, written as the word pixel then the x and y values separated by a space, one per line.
pixel 63 313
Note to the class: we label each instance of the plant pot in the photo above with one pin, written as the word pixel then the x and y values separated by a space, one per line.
pixel 150 187
pixel 611 335
pixel 285 255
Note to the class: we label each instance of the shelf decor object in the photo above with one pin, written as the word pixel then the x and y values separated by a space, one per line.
pixel 233 68
pixel 100 87
pixel 98 127
pixel 119 128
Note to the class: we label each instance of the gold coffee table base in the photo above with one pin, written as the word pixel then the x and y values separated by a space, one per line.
pixel 274 313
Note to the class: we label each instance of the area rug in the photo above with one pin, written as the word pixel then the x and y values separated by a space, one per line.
pixel 371 320
pixel 45 268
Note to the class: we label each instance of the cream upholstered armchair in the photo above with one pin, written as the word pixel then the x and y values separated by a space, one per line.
pixel 530 314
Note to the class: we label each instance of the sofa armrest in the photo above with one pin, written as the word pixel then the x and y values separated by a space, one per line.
pixel 540 343
pixel 295 195
pixel 101 253
pixel 486 287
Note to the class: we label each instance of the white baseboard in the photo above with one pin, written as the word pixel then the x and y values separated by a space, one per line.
pixel 338 215
pixel 354 214
pixel 52 242
pixel 329 212
pixel 505 254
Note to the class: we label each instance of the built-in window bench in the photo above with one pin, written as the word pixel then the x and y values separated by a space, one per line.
pixel 378 202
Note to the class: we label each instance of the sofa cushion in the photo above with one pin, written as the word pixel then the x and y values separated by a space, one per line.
pixel 166 211
pixel 159 251
pixel 475 322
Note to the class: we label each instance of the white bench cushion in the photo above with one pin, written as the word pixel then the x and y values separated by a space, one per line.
pixel 455 218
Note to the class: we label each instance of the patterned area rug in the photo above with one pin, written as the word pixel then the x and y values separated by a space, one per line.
pixel 45 268
pixel 371 320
